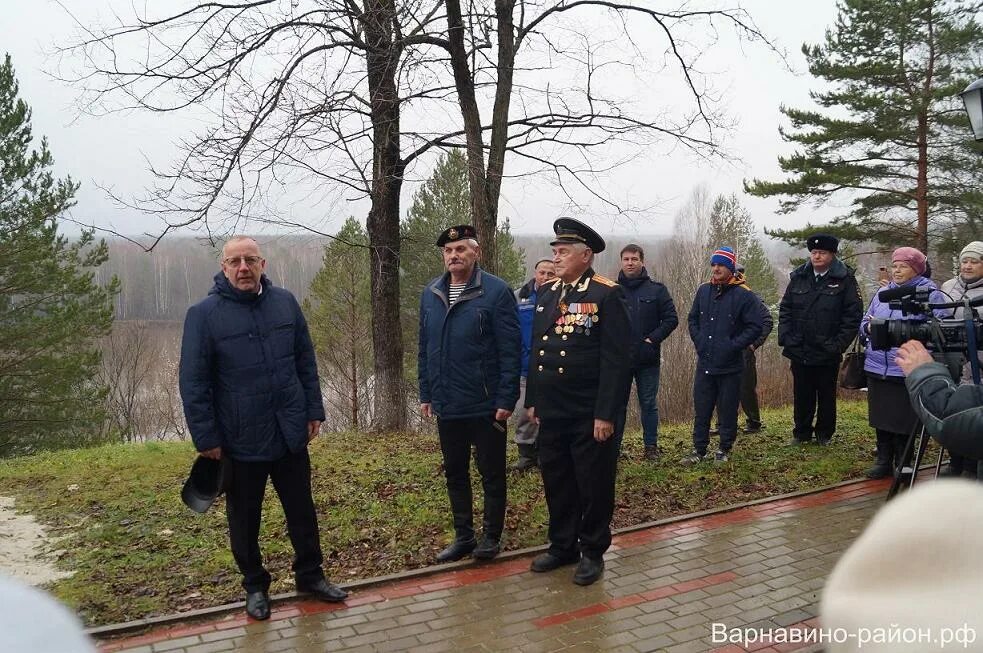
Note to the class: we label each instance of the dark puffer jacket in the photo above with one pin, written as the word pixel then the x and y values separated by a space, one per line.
pixel 723 322
pixel 652 315
pixel 248 376
pixel 468 363
pixel 818 321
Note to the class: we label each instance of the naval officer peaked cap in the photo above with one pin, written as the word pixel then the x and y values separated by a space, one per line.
pixel 569 230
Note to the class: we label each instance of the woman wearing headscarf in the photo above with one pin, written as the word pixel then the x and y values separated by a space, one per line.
pixel 967 284
pixel 889 410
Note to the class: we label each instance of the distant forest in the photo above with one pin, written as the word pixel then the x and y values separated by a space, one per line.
pixel 160 285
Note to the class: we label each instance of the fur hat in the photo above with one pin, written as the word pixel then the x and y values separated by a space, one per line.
pixel 822 241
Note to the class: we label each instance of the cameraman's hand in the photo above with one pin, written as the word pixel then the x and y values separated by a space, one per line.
pixel 912 354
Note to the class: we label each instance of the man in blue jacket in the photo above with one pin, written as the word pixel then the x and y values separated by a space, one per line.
pixel 526 429
pixel 724 320
pixel 468 369
pixel 653 318
pixel 249 384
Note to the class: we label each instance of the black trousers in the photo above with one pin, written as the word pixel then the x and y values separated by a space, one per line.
pixel 489 440
pixel 749 390
pixel 720 391
pixel 814 389
pixel 291 476
pixel 578 477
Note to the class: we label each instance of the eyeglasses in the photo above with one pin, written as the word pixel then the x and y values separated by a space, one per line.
pixel 235 261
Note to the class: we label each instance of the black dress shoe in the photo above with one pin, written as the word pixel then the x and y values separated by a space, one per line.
pixel 457 550
pixel 548 562
pixel 322 590
pixel 487 549
pixel 588 571
pixel 258 605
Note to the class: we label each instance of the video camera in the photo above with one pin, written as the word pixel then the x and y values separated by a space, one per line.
pixel 937 334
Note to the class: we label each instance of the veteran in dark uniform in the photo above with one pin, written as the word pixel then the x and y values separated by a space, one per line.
pixel 579 371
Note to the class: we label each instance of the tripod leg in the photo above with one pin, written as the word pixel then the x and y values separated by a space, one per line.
pixel 917 462
pixel 901 456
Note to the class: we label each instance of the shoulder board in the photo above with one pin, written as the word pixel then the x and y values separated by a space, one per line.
pixel 604 280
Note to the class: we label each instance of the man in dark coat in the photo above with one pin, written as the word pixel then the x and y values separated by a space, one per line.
pixel 526 430
pixel 726 317
pixel 653 318
pixel 249 384
pixel 468 368
pixel 578 386
pixel 818 318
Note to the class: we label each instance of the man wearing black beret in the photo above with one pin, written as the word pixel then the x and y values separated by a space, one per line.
pixel 468 369
pixel 579 371
pixel 818 318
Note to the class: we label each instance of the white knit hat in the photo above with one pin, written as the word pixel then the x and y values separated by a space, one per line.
pixel 975 249
pixel 915 570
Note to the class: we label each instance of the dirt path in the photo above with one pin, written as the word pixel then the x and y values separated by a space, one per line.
pixel 24 547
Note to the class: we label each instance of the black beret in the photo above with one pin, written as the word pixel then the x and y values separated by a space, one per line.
pixel 822 241
pixel 569 231
pixel 459 232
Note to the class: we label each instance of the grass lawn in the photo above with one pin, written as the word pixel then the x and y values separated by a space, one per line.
pixel 137 551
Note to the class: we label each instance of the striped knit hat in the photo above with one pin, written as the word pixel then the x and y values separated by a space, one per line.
pixel 724 256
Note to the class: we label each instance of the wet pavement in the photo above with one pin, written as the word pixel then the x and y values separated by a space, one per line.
pixel 686 585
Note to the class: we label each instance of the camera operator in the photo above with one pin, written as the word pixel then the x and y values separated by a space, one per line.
pixel 888 408
pixel 952 414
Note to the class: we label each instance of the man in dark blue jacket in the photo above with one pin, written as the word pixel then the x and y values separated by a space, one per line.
pixel 725 319
pixel 653 318
pixel 526 429
pixel 249 384
pixel 469 380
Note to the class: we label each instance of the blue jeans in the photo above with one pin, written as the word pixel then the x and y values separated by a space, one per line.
pixel 647 386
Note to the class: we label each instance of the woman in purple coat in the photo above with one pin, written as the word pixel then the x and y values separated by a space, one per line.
pixel 888 407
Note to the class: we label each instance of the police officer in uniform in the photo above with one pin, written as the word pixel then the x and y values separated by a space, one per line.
pixel 579 371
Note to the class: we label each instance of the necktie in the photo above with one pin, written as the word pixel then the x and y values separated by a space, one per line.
pixel 566 288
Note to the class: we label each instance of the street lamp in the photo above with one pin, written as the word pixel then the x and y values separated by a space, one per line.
pixel 973 101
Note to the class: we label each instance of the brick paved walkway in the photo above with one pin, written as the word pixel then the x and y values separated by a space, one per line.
pixel 760 566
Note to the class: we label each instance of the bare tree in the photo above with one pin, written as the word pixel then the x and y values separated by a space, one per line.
pixel 306 98
pixel 129 361
pixel 684 267
pixel 559 125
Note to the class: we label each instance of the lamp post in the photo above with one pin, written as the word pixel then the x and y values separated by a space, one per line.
pixel 973 101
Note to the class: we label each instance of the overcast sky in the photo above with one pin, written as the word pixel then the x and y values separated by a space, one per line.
pixel 115 151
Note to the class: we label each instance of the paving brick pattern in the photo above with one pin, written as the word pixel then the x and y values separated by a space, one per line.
pixel 761 566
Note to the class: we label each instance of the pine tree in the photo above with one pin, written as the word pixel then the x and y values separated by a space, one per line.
pixel 891 134
pixel 52 311
pixel 730 224
pixel 338 311
pixel 443 201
